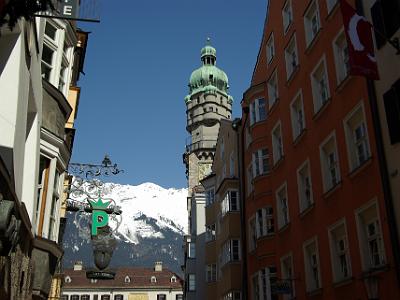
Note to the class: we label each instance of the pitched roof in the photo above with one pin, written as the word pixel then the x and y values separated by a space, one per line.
pixel 140 278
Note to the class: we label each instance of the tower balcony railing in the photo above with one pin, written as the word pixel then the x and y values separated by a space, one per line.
pixel 200 145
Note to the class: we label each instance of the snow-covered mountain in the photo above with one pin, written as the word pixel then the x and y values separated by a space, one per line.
pixel 154 220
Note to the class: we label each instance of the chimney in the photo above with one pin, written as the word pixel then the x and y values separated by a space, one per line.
pixel 158 266
pixel 78 266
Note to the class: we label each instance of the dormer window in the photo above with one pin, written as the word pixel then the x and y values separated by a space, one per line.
pixel 127 279
pixel 68 279
pixel 173 279
pixel 153 279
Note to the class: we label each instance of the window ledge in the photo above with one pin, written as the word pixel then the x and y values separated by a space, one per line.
pixel 293 74
pixel 332 190
pixel 287 29
pixel 284 228
pixel 375 270
pixel 333 10
pixel 261 176
pixel 273 106
pixel 255 124
pixel 311 44
pixel 299 137
pixel 320 111
pixel 357 170
pixel 314 292
pixel 266 237
pixel 278 162
pixel 343 83
pixel 342 282
pixel 306 211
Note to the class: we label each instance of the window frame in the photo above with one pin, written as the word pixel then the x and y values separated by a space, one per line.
pixel 308 22
pixel 335 253
pixel 304 203
pixel 258 110
pixel 283 214
pixel 352 144
pixel 292 62
pixel 287 18
pixel 296 130
pixel 342 66
pixel 326 169
pixel 318 100
pixel 308 265
pixel 277 143
pixel 272 89
pixel 270 48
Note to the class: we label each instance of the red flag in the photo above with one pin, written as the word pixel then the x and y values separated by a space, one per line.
pixel 360 44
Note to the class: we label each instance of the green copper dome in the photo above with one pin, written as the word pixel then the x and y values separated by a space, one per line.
pixel 208 78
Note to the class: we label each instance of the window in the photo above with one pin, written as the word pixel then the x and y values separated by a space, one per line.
pixel 341 53
pixel 311 22
pixel 230 202
pixel 173 279
pixel 329 163
pixel 262 282
pixel 210 233
pixel 288 274
pixel 291 57
pixel 264 221
pixel 75 297
pixel 54 205
pixel 211 273
pixel 85 297
pixel 370 237
pixel 287 15
pixel 261 162
pixel 119 297
pixel 340 256
pixel 161 297
pixel 257 111
pixel 57 54
pixel 210 196
pixel 179 297
pixel 272 85
pixel 320 85
pixel 191 282
pixel 192 250
pixel 385 18
pixel 235 295
pixel 311 262
pixel 282 206
pixel 153 279
pixel 330 4
pixel 357 137
pixel 67 279
pixel 270 48
pixel 105 297
pixel 392 107
pixel 297 115
pixel 252 234
pixel 277 143
pixel 304 186
pixel 230 251
pixel 127 279
pixel 44 171
pixel 64 297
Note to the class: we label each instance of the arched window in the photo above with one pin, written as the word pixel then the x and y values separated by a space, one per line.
pixel 127 279
pixel 153 279
pixel 68 279
pixel 173 279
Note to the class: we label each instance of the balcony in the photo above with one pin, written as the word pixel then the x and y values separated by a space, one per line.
pixel 201 145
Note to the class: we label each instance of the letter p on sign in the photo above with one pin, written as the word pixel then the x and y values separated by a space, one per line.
pixel 99 219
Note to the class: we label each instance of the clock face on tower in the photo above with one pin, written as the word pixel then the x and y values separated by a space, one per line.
pixel 204 170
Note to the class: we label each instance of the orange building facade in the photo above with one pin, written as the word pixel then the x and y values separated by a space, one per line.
pixel 316 225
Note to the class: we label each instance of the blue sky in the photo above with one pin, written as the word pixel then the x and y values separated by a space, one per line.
pixel 138 63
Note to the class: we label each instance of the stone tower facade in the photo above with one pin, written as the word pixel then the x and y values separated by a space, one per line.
pixel 207 103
